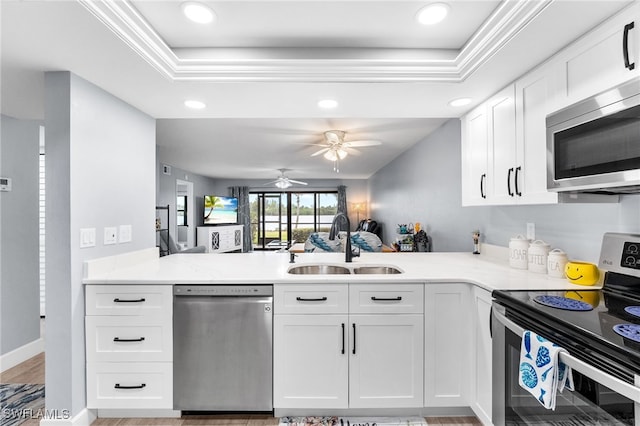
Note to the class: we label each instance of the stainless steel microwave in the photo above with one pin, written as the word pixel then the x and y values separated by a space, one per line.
pixel 594 145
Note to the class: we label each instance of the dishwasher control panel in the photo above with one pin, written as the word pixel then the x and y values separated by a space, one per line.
pixel 242 290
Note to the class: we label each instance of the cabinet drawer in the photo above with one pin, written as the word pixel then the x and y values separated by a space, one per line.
pixel 130 385
pixel 129 300
pixel 121 338
pixel 311 299
pixel 386 298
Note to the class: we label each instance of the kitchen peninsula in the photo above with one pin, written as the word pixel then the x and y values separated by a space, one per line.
pixel 437 310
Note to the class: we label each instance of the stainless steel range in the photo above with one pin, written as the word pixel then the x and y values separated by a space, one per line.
pixel 600 329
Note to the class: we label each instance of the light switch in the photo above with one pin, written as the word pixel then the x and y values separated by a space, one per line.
pixel 110 235
pixel 125 233
pixel 87 237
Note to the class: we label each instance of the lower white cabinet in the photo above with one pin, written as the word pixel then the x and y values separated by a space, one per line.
pixel 447 345
pixel 129 346
pixel 348 359
pixel 481 354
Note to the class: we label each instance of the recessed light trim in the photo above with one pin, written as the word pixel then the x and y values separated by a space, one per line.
pixel 433 13
pixel 327 103
pixel 198 12
pixel 193 104
pixel 460 102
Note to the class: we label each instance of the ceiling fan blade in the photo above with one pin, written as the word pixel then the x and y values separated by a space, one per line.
pixel 352 151
pixel 320 152
pixel 362 143
pixel 271 183
pixel 298 182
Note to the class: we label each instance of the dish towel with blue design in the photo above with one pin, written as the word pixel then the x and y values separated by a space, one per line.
pixel 541 372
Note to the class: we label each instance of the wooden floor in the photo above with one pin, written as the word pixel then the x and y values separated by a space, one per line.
pixel 32 371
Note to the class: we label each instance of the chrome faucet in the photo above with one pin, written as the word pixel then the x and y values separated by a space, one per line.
pixel 349 254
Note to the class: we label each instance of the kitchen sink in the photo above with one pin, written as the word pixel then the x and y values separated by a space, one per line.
pixel 376 270
pixel 318 270
pixel 323 269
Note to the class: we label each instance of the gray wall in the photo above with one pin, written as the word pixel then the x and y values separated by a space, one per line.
pixel 423 185
pixel 100 172
pixel 19 241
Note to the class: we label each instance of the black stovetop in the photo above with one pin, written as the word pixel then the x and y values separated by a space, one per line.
pixel 588 334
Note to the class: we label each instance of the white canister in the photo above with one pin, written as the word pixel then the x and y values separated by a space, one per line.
pixel 537 255
pixel 518 248
pixel 556 262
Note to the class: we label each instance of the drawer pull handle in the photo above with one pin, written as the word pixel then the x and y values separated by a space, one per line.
pixel 142 299
pixel 317 299
pixel 117 339
pixel 386 299
pixel 119 386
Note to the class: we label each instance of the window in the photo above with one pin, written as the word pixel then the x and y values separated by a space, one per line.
pixel 181 210
pixel 280 217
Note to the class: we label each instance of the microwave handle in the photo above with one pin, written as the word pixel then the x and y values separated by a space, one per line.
pixel 613 383
pixel 625 46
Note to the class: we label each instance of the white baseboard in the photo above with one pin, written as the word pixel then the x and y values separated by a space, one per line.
pixel 83 418
pixel 21 354
pixel 128 412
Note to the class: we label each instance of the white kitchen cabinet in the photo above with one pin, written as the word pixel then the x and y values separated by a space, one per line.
pixel 220 239
pixel 475 157
pixel 596 61
pixel 501 116
pixel 481 355
pixel 365 351
pixel 129 346
pixel 447 345
pixel 310 361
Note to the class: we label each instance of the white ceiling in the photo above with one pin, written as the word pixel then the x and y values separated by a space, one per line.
pixel 262 66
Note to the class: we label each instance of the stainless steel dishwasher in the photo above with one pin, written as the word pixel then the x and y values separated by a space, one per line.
pixel 222 350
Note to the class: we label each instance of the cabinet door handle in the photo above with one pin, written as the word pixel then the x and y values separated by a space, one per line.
pixel 625 46
pixel 509 182
pixel 117 300
pixel 140 386
pixel 117 339
pixel 311 299
pixel 354 338
pixel 482 179
pixel 387 299
pixel 518 192
pixel 343 335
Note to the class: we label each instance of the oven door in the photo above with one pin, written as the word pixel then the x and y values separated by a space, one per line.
pixel 598 399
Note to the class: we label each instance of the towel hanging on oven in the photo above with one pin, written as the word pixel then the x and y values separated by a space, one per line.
pixel 541 372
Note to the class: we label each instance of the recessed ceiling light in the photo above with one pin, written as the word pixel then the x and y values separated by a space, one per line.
pixel 327 103
pixel 460 102
pixel 432 13
pixel 198 12
pixel 194 104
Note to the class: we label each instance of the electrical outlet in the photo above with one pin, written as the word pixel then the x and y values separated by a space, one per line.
pixel 110 235
pixel 87 237
pixel 531 231
pixel 125 233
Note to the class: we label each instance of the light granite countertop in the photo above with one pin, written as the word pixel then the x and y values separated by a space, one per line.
pixel 490 271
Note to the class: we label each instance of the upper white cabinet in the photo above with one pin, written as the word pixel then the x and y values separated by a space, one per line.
pixel 475 157
pixel 501 116
pixel 606 57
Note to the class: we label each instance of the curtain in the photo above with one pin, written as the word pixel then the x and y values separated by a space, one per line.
pixel 244 215
pixel 342 207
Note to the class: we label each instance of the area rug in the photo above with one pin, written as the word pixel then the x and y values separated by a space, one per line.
pixel 352 421
pixel 20 402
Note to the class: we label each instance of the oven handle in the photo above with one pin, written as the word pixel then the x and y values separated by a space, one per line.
pixel 615 384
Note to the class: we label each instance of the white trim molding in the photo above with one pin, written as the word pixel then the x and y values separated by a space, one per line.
pixel 60 418
pixel 316 65
pixel 21 354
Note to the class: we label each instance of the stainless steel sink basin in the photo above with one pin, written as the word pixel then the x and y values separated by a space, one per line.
pixel 318 270
pixel 376 270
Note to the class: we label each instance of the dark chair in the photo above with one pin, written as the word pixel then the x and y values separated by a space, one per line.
pixel 369 225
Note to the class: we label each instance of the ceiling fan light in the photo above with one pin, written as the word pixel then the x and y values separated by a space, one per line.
pixel 433 13
pixel 331 155
pixel 282 184
pixel 342 153
pixel 198 12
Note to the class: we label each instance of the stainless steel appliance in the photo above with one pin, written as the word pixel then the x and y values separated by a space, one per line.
pixel 594 145
pixel 222 354
pixel 606 364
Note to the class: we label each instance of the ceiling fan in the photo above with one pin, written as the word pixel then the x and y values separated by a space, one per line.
pixel 283 181
pixel 335 148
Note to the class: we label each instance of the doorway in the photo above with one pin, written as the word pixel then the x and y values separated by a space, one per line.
pixel 184 228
